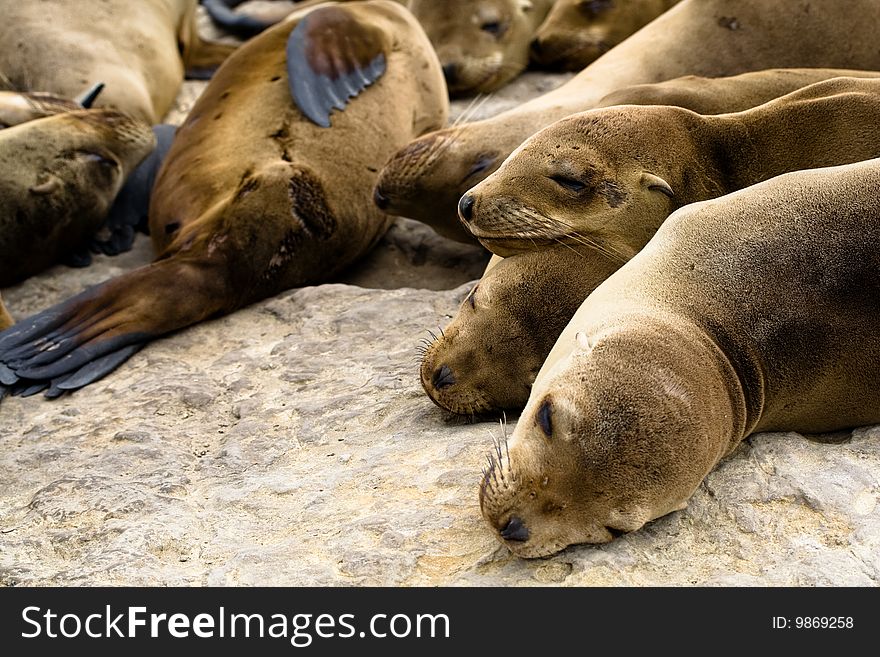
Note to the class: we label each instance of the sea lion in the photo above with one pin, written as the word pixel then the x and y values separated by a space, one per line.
pixel 576 32
pixel 58 178
pixel 709 38
pixel 255 197
pixel 753 312
pixel 487 358
pixel 610 177
pixel 138 49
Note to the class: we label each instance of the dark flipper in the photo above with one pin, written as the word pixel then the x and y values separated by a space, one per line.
pixel 331 57
pixel 132 205
pixel 86 337
pixel 89 96
pixel 221 12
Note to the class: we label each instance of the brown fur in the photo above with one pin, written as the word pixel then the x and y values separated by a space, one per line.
pixel 5 318
pixel 496 343
pixel 696 37
pixel 138 49
pixel 253 198
pixel 58 178
pixel 17 108
pixel 621 157
pixel 576 32
pixel 477 55
pixel 664 369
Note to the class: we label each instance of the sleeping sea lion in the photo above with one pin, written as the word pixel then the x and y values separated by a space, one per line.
pixel 255 196
pixel 753 312
pixel 610 177
pixel 59 176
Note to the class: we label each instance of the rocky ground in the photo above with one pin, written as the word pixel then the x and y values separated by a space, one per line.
pixel 291 444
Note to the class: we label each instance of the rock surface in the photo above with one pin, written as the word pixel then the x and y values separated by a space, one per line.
pixel 291 444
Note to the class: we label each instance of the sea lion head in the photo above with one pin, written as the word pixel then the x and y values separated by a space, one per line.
pixel 610 439
pixel 602 178
pixel 487 358
pixel 425 179
pixel 61 175
pixel 482 44
pixel 577 32
pixel 78 158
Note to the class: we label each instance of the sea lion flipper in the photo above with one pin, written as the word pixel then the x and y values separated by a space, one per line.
pixel 331 57
pixel 222 14
pixel 131 207
pixel 86 337
pixel 87 98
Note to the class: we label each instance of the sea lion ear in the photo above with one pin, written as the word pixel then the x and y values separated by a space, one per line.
pixel 48 185
pixel 87 98
pixel 331 57
pixel 525 6
pixel 657 184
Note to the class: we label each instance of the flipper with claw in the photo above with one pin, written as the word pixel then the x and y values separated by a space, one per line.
pixel 331 57
pixel 86 337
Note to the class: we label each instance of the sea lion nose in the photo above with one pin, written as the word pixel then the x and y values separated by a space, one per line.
pixel 442 377
pixel 382 202
pixel 450 72
pixel 515 530
pixel 535 48
pixel 466 207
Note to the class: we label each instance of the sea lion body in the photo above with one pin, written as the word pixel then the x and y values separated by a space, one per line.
pixel 708 38
pixel 58 178
pixel 753 312
pixel 577 32
pixel 610 177
pixel 487 358
pixel 254 198
pixel 138 49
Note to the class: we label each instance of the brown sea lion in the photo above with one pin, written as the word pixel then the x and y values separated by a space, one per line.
pixel 576 32
pixel 254 196
pixel 59 176
pixel 138 49
pixel 709 38
pixel 753 312
pixel 610 177
pixel 487 358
